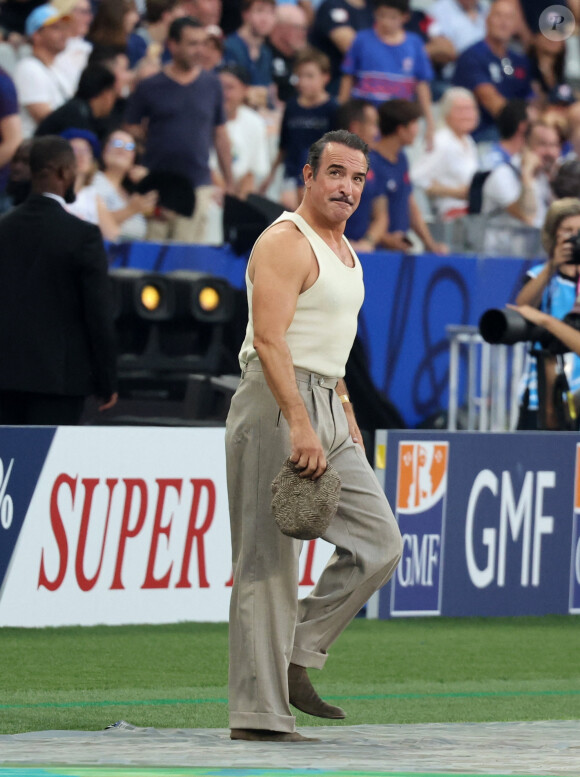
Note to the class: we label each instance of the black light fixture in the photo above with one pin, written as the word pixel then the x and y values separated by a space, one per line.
pixel 170 325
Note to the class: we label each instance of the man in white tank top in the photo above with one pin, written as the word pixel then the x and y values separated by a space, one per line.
pixel 304 293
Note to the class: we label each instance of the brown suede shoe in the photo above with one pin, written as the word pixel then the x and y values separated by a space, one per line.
pixel 265 735
pixel 303 696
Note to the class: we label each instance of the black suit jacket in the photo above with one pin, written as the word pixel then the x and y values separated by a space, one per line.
pixel 56 326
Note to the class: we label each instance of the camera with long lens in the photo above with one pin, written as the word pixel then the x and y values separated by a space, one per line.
pixel 506 327
pixel 575 243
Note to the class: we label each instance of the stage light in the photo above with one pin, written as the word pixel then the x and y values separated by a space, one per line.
pixel 150 297
pixel 208 298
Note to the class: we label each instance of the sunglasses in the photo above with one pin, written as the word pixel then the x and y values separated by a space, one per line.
pixel 128 145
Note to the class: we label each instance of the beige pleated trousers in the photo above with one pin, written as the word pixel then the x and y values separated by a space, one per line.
pixel 269 627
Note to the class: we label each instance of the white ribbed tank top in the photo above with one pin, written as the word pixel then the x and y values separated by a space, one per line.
pixel 324 326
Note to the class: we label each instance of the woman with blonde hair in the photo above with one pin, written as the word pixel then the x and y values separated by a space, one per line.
pixel 548 294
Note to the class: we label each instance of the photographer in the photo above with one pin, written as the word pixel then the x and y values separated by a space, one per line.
pixel 551 288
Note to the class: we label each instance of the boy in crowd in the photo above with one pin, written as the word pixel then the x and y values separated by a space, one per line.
pixel 248 48
pixel 306 118
pixel 386 62
pixel 399 124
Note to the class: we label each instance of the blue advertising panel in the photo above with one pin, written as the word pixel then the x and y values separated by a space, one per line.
pixel 22 455
pixel 409 301
pixel 490 526
pixel 575 562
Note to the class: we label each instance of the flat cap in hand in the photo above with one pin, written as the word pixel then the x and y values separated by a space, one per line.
pixel 304 508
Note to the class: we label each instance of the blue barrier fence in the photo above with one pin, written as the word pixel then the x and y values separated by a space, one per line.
pixel 409 302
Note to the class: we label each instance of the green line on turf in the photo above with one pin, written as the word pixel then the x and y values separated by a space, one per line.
pixel 136 771
pixel 364 697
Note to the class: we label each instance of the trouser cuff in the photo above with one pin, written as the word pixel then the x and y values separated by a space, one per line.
pixel 263 720
pixel 308 658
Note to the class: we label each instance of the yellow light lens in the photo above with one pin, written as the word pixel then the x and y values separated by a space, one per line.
pixel 209 299
pixel 150 297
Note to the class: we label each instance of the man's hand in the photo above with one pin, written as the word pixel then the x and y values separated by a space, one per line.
pixel 307 452
pixel 107 404
pixel 531 314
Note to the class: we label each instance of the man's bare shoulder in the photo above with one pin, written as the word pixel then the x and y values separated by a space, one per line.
pixel 284 246
pixel 283 233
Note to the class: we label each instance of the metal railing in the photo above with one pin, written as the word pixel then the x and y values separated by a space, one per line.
pixel 492 377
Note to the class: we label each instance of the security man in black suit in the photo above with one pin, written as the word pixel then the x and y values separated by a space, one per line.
pixel 56 328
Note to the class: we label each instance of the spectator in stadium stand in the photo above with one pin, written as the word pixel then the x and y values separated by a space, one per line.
pixel 213 48
pixel 551 287
pixel 566 181
pixel 388 62
pixel 528 14
pixel 399 125
pixel 10 133
pixel 57 342
pixel 493 70
pixel 206 11
pixel 149 41
pixel 71 62
pixel 547 59
pixel 520 185
pixel 306 118
pixel 93 102
pixel 248 48
pixel 113 23
pixel 445 173
pixel 248 134
pixel 128 209
pixel 335 27
pixel 88 205
pixel 286 40
pixel 369 221
pixel 39 86
pixel 117 61
pixel 462 22
pixel 167 133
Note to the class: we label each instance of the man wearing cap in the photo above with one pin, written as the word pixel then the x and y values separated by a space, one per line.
pixel 41 88
pixel 305 290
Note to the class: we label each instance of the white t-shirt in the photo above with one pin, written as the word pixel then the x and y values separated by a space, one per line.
pixel 134 228
pixel 71 62
pixel 503 187
pixel 85 205
pixel 38 83
pixel 452 163
pixel 450 20
pixel 248 136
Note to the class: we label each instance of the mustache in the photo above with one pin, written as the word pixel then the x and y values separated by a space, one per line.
pixel 346 199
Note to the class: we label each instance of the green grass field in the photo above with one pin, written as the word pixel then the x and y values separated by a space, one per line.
pixel 404 671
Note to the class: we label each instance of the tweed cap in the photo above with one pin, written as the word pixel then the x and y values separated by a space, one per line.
pixel 304 508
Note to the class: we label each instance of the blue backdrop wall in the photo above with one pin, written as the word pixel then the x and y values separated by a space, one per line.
pixel 409 302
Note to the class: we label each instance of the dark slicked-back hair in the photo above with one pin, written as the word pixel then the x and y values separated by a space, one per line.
pixel 178 25
pixel 344 137
pixel 154 9
pixel 397 113
pixel 50 151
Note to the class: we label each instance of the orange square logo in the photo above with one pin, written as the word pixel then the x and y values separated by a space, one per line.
pixel 422 475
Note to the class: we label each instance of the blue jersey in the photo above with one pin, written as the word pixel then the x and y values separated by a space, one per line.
pixel 510 75
pixel 383 72
pixel 301 127
pixel 236 52
pixel 358 224
pixel 558 300
pixel 394 181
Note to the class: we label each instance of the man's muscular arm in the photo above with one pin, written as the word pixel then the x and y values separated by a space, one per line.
pixel 282 266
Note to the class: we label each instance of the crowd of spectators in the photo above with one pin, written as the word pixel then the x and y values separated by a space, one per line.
pixel 172 105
